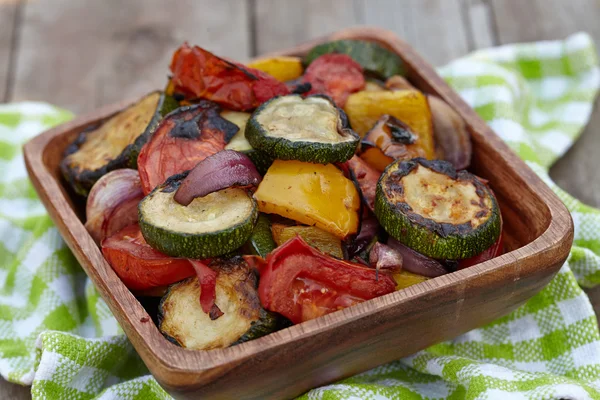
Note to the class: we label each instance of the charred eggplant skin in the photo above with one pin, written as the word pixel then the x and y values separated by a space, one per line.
pixel 314 151
pixel 435 239
pixel 81 179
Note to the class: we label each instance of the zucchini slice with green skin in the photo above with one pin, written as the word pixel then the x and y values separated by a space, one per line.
pixel 114 144
pixel 261 241
pixel 375 59
pixel 238 142
pixel 182 321
pixel 435 210
pixel 209 226
pixel 309 129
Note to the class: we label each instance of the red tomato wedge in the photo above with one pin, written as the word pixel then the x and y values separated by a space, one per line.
pixel 198 73
pixel 493 251
pixel 138 265
pixel 184 138
pixel 302 283
pixel 336 75
pixel 367 178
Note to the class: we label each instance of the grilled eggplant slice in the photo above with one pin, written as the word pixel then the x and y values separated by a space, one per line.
pixel 435 210
pixel 114 144
pixel 183 322
pixel 209 226
pixel 375 59
pixel 238 142
pixel 310 129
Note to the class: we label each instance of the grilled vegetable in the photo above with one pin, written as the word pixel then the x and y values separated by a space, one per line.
pixel 209 226
pixel 451 135
pixel 184 138
pixel 182 320
pixel 391 139
pixel 405 279
pixel 313 194
pixel 140 266
pixel 374 58
pixel 301 283
pixel 493 251
pixel 261 241
pixel 308 129
pixel 112 203
pixel 409 106
pixel 198 73
pixel 238 142
pixel 114 144
pixel 367 178
pixel 317 238
pixel 282 68
pixel 434 210
pixel 222 170
pixel 335 75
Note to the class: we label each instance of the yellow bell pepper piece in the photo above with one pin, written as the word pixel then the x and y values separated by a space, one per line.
pixel 282 68
pixel 405 279
pixel 409 106
pixel 317 238
pixel 313 194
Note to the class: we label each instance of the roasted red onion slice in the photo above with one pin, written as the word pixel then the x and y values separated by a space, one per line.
pixel 451 135
pixel 415 262
pixel 383 256
pixel 369 227
pixel 207 277
pixel 112 203
pixel 224 169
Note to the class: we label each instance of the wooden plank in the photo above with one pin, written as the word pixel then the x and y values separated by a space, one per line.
pixel 13 391
pixel 86 53
pixel 8 14
pixel 479 21
pixel 434 27
pixel 285 23
pixel 520 21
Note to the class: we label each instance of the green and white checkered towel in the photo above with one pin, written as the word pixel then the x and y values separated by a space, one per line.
pixel 59 336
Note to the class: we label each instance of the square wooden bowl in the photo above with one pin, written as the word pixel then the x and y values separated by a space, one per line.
pixel 538 230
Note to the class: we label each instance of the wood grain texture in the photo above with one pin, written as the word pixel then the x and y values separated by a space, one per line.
pixel 8 19
pixel 285 23
pixel 435 27
pixel 480 25
pixel 286 363
pixel 91 53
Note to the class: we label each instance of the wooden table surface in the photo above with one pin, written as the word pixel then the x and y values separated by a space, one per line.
pixel 81 54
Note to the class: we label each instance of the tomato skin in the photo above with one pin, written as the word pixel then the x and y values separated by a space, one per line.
pixel 493 251
pixel 336 75
pixel 138 265
pixel 183 139
pixel 198 73
pixel 302 283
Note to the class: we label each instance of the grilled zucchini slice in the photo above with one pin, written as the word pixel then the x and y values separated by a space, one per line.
pixel 209 226
pixel 238 142
pixel 261 241
pixel 114 144
pixel 310 129
pixel 435 210
pixel 375 59
pixel 182 321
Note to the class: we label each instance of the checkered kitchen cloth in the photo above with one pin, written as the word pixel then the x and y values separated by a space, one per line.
pixel 59 336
